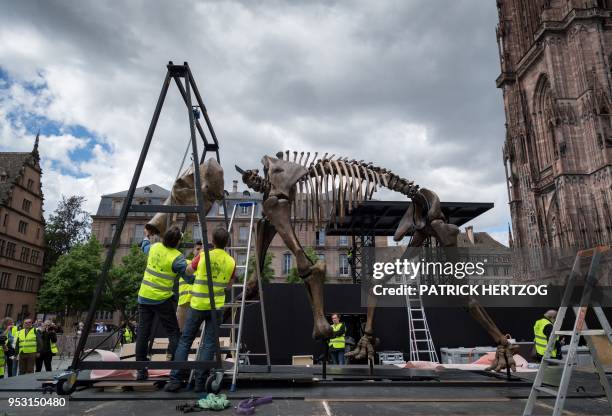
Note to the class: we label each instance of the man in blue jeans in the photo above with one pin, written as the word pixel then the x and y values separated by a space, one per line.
pixel 223 269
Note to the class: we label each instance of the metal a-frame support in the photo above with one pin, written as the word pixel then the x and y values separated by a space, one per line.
pixel 183 78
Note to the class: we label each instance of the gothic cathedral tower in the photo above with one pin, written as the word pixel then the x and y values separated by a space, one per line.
pixel 556 63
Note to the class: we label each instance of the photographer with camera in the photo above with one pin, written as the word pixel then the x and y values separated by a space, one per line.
pixel 48 349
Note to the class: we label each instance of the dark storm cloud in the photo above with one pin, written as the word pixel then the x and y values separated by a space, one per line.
pixel 421 62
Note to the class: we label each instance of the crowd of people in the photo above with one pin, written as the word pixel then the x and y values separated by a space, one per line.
pixel 27 347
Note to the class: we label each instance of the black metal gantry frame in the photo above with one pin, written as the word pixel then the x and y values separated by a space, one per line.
pixel 180 74
pixel 361 261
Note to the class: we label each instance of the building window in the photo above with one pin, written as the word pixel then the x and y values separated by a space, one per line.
pixel 113 229
pixel 320 238
pixel 117 204
pixel 138 233
pixel 38 232
pixel 10 250
pixel 19 282
pixel 3 176
pixel 9 309
pixel 343 241
pixel 30 184
pixel 29 287
pixel 5 278
pixel 5 219
pixel 343 263
pixel 23 227
pixel 243 234
pixel 24 313
pixel 197 232
pixel 244 209
pixel 34 258
pixel 2 247
pixel 26 205
pixel 286 263
pixel 321 257
pixel 221 210
pixel 25 254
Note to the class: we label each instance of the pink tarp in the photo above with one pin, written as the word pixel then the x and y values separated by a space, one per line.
pixel 480 364
pixel 109 356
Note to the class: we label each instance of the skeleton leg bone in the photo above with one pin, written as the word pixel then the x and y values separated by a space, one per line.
pixel 278 212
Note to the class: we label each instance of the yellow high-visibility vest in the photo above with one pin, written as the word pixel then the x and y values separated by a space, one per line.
pixel 27 343
pixel 14 334
pixel 338 342
pixel 158 279
pixel 184 289
pixel 54 349
pixel 128 335
pixel 222 267
pixel 3 357
pixel 540 339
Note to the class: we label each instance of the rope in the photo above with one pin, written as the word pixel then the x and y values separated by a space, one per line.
pixel 247 406
pixel 214 402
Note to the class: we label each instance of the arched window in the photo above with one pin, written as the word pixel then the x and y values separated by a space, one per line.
pixel 544 123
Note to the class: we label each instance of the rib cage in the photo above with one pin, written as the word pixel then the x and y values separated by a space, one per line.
pixel 337 185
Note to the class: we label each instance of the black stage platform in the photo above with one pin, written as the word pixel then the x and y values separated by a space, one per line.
pixel 451 392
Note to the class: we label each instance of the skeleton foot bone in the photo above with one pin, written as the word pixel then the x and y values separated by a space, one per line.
pixel 363 349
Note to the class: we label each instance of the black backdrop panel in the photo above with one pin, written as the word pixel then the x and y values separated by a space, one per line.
pixel 290 322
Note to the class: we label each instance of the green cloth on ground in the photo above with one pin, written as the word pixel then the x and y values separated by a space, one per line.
pixel 214 402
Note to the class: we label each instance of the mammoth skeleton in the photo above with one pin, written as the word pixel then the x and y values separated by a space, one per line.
pixel 319 191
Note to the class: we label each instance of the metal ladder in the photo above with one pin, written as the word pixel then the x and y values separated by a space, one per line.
pixel 422 347
pixel 579 330
pixel 238 306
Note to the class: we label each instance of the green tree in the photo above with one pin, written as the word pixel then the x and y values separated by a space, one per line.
pixel 267 273
pixel 69 284
pixel 68 225
pixel 126 278
pixel 293 276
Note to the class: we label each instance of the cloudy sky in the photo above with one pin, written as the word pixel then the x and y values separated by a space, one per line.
pixel 408 85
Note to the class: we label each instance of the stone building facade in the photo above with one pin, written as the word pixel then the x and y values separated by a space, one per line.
pixel 21 233
pixel 556 79
pixel 332 249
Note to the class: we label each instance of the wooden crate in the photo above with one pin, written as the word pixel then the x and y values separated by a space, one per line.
pixel 302 360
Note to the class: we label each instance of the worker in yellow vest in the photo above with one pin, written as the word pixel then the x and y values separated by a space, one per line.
pixel 48 349
pixel 185 292
pixel 28 347
pixel 11 356
pixel 127 336
pixel 542 331
pixel 336 342
pixel 8 330
pixel 165 264
pixel 3 352
pixel 223 270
